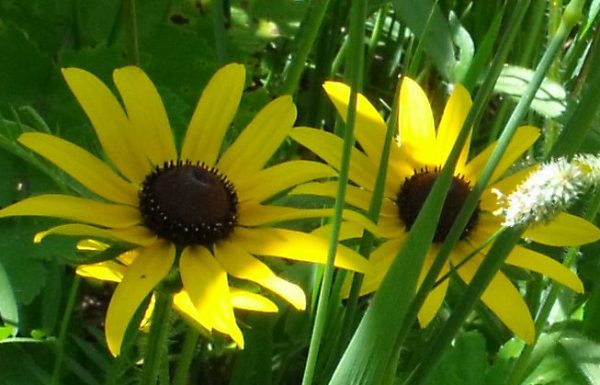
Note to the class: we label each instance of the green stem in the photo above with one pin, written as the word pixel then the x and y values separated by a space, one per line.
pixel 186 356
pixel 158 337
pixel 304 39
pixel 62 334
pixel 373 214
pixel 218 10
pixel 131 34
pixel 357 26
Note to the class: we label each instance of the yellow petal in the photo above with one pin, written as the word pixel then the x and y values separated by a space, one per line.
pixel 296 245
pixel 259 140
pixel 76 209
pixel 531 260
pixel 110 122
pixel 504 300
pixel 137 235
pixel 391 227
pixel 523 139
pixel 246 300
pixel 206 284
pixel 355 196
pixel 148 269
pixel 348 230
pixel 237 262
pixel 505 186
pixel 146 113
pixel 184 305
pixel 415 121
pixel 213 115
pixel 87 244
pixel 454 116
pixel 564 230
pixel 436 296
pixel 110 271
pixel 254 214
pixel 329 147
pixel 381 259
pixel 369 125
pixel 270 181
pixel 83 166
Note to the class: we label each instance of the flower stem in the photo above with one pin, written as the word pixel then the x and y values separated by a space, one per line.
pixel 62 334
pixel 304 41
pixel 186 356
pixel 131 34
pixel 356 62
pixel 157 338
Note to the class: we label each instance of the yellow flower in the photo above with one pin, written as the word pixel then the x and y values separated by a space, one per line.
pixel 413 167
pixel 198 207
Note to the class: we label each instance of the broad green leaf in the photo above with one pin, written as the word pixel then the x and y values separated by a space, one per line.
pixel 466 48
pixel 550 99
pixel 464 363
pixel 9 313
pixel 583 354
pixel 426 21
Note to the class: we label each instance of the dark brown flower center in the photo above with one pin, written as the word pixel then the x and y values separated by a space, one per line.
pixel 188 203
pixel 414 191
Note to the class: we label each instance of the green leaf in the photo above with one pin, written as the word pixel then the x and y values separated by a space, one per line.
pixel 583 354
pixel 8 305
pixel 464 363
pixel 426 21
pixel 550 98
pixel 466 48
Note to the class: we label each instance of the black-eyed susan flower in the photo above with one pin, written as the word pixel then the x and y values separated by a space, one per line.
pixel 413 167
pixel 199 208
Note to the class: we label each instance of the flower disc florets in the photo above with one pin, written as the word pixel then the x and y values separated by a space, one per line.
pixel 414 191
pixel 188 203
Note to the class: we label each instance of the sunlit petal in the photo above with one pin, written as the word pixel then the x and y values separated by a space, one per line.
pixel 380 259
pixel 238 263
pixel 213 115
pixel 83 166
pixel 76 209
pixel 146 113
pixel 503 299
pixel 348 230
pixel 147 270
pixel 296 245
pixel 329 147
pixel 246 300
pixel 369 127
pixel 206 284
pixel 436 296
pixel 564 230
pixel 110 271
pixel 531 260
pixel 416 126
pixel 260 139
pixel 455 113
pixel 524 137
pixel 110 122
pixel 270 181
pixel 137 235
pixel 255 214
